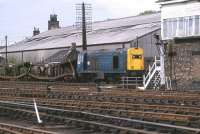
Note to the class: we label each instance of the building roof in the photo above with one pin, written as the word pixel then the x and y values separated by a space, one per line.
pixel 103 32
pixel 172 1
pixel 62 56
pixel 164 0
pixel 57 57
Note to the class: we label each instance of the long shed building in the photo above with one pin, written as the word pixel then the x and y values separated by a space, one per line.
pixel 109 34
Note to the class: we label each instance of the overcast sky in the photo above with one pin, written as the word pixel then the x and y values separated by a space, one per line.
pixel 18 17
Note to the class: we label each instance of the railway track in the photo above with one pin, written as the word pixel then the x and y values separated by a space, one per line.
pixel 58 89
pixel 108 111
pixel 61 86
pixel 76 86
pixel 15 129
pixel 185 116
pixel 112 105
pixel 135 98
pixel 43 85
pixel 93 120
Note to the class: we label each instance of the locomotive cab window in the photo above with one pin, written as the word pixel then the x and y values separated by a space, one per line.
pixel 115 62
pixel 137 56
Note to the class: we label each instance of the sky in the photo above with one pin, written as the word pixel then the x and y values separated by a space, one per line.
pixel 19 17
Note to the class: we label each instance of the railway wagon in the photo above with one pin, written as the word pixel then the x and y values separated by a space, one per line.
pixel 110 65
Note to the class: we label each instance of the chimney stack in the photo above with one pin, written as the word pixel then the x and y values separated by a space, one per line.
pixel 53 23
pixel 36 31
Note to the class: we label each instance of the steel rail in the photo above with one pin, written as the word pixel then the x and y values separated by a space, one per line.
pixel 157 112
pixel 106 117
pixel 15 129
pixel 74 121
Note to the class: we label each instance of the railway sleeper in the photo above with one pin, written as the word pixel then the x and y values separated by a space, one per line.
pixel 135 116
pixel 8 131
pixel 76 120
pixel 40 95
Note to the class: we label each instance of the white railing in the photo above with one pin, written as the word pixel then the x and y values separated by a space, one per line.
pixel 168 83
pixel 131 81
pixel 152 70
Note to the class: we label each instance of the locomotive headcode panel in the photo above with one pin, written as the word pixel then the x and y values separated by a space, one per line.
pixel 135 59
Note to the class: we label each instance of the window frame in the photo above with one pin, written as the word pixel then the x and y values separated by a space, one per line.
pixel 134 56
pixel 181 27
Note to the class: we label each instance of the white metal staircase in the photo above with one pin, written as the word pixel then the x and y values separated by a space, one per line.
pixel 152 79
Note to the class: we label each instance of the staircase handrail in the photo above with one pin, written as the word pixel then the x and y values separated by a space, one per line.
pixel 149 79
pixel 151 69
pixel 151 72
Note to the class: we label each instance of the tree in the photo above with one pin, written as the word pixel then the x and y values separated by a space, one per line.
pixel 148 12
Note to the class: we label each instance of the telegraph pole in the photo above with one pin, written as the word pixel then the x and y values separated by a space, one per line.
pixel 84 21
pixel 6 41
pixel 84 35
pixel 84 38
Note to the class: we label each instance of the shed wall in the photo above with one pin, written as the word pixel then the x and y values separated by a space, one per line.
pixel 147 42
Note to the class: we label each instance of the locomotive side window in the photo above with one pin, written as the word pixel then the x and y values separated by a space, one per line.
pixel 137 56
pixel 115 62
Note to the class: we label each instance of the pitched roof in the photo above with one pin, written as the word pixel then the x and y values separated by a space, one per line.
pixel 57 57
pixel 171 1
pixel 164 0
pixel 103 32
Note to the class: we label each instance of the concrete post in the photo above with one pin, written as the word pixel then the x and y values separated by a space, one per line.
pixel 162 64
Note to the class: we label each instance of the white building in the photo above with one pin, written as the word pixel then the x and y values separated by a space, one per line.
pixel 180 18
pixel 180 26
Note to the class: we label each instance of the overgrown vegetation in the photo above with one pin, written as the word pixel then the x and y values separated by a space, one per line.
pixel 14 70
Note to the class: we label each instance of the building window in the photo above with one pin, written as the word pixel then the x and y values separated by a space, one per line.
pixel 174 27
pixel 190 26
pixel 186 21
pixel 165 28
pixel 197 25
pixel 181 27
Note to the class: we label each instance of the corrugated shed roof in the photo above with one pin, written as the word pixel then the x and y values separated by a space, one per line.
pixel 109 31
pixel 57 57
pixel 164 0
pixel 172 1
pixel 62 56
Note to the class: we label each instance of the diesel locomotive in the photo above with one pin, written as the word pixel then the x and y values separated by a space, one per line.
pixel 110 65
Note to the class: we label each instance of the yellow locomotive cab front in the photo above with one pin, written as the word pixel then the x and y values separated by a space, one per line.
pixel 135 59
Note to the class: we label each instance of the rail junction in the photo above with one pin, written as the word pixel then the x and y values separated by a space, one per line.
pixel 83 108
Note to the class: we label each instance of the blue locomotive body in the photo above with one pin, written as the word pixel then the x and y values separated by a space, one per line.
pixel 102 62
